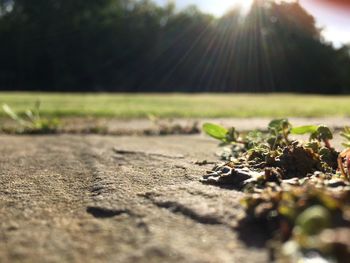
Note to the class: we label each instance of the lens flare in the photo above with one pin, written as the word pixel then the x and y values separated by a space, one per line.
pixel 335 3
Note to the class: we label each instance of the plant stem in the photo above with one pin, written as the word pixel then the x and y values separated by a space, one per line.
pixel 327 143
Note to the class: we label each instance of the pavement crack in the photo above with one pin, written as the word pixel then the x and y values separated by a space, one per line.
pixel 102 212
pixel 170 156
pixel 178 208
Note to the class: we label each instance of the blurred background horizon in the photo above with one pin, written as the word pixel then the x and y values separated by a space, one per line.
pixel 332 17
pixel 245 46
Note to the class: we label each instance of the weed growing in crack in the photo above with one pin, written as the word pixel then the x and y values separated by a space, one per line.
pixel 299 190
pixel 32 122
pixel 169 127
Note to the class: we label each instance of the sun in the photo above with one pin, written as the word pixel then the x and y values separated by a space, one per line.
pixel 220 7
pixel 215 7
pixel 245 4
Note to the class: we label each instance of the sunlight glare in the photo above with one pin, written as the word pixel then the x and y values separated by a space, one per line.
pixel 219 7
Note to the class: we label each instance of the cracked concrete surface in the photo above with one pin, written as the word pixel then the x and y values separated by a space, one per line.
pixel 72 198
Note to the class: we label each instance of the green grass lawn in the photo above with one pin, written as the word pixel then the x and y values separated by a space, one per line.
pixel 178 105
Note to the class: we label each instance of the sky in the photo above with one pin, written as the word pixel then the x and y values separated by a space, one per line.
pixel 334 20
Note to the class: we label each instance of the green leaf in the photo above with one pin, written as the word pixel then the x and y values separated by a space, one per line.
pixel 278 124
pixel 10 112
pixel 215 131
pixel 346 136
pixel 324 133
pixel 308 129
pixel 30 115
pixel 14 115
pixel 314 219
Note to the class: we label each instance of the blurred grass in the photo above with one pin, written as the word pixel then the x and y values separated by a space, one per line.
pixel 178 105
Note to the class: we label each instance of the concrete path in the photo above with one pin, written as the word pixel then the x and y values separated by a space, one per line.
pixel 73 198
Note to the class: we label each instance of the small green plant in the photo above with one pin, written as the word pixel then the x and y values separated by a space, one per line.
pixel 168 126
pixel 218 132
pixel 279 130
pixel 320 133
pixel 32 122
pixel 295 187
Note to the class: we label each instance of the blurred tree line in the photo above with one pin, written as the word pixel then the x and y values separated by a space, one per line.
pixel 137 45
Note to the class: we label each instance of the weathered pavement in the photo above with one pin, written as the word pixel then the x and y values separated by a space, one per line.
pixel 137 126
pixel 113 126
pixel 68 198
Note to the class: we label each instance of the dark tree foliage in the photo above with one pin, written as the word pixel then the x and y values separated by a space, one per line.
pixel 136 45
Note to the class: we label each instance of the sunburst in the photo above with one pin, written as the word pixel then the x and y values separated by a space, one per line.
pixel 218 7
